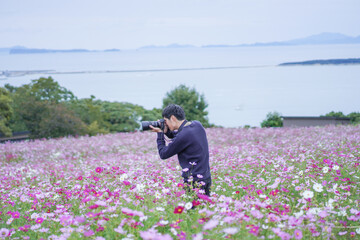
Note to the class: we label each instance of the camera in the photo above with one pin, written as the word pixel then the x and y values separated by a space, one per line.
pixel 145 125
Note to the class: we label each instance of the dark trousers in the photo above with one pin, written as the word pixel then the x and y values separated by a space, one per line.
pixel 196 184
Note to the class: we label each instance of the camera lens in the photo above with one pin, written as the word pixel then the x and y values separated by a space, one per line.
pixel 145 125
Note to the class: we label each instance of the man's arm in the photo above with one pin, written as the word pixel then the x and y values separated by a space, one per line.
pixel 170 134
pixel 177 145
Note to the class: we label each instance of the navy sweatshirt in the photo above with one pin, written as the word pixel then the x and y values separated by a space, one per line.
pixel 191 146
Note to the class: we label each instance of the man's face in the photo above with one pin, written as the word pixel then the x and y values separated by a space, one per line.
pixel 170 123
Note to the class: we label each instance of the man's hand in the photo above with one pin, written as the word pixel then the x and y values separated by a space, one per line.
pixel 155 129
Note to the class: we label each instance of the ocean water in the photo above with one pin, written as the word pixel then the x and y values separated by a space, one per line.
pixel 240 95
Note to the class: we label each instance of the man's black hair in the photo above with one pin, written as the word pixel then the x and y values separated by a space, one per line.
pixel 173 109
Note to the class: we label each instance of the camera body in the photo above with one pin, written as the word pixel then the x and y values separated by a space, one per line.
pixel 145 125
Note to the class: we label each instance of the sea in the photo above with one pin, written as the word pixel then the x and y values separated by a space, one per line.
pixel 240 84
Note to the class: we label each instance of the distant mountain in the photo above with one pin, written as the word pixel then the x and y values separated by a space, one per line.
pixel 174 45
pixel 24 50
pixel 322 38
pixel 319 39
pixel 38 50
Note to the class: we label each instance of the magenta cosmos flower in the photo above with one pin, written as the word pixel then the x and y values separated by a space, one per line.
pixel 178 210
pixel 39 220
pixel 15 214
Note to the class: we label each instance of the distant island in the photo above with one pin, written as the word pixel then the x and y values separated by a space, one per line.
pixel 324 62
pixel 24 50
pixel 318 39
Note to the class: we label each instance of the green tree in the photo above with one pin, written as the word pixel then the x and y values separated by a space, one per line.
pixel 90 113
pixel 125 117
pixel 192 102
pixel 6 112
pixel 273 119
pixel 49 90
pixel 334 114
pixel 58 121
pixel 39 108
pixel 354 117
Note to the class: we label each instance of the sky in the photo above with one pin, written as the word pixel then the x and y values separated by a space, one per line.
pixel 130 24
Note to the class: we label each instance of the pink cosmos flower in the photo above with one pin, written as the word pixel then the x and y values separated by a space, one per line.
pixel 178 209
pixel 298 234
pixel 211 224
pixel 99 170
pixel 94 206
pixel 254 230
pixel 80 219
pixel 96 179
pixel 153 234
pixel 257 214
pixel 284 236
pixel 4 233
pixel 100 229
pixel 15 214
pixel 127 183
pixel 205 197
pixel 39 220
pixel 181 235
pixel 89 233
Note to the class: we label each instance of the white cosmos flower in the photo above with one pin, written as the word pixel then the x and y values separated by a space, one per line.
pixel 173 231
pixel 336 167
pixel 301 173
pixel 188 205
pixel 308 194
pixel 231 230
pixel 299 214
pixel 123 177
pixel 325 169
pixel 160 209
pixel 163 222
pixel 157 194
pixel 140 187
pixel 358 230
pixel 318 187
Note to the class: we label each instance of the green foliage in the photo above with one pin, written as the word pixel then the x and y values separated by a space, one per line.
pixel 124 117
pixel 6 112
pixel 90 113
pixel 273 119
pixel 49 90
pixel 94 129
pixel 334 114
pixel 39 108
pixel 47 109
pixel 59 121
pixel 192 102
pixel 354 116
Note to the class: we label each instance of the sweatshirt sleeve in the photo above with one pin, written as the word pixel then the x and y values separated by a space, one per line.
pixel 177 145
pixel 170 134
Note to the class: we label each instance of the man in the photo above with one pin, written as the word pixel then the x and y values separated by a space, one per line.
pixel 189 142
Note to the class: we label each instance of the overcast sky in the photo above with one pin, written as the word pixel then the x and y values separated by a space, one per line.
pixel 127 24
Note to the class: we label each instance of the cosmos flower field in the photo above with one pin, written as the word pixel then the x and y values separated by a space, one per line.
pixel 266 184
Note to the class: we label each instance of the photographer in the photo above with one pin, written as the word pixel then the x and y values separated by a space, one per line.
pixel 189 142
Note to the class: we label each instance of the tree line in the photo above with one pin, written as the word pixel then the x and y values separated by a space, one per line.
pixel 274 119
pixel 48 110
